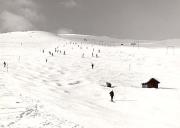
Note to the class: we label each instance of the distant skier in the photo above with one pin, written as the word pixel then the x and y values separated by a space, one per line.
pixel 4 63
pixel 64 53
pixel 92 65
pixel 82 55
pixel 112 95
pixel 46 60
pixel 96 55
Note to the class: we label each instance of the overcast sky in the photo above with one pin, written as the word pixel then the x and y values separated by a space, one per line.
pixel 135 19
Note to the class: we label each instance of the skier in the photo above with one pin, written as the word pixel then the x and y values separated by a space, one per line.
pixel 83 55
pixel 96 55
pixel 4 64
pixel 112 95
pixel 92 65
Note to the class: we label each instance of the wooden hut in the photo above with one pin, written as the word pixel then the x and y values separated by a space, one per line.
pixel 152 83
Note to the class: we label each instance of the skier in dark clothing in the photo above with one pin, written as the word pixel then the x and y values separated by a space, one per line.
pixel 96 55
pixel 4 64
pixel 112 95
pixel 92 65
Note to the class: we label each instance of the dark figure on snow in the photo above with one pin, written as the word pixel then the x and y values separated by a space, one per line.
pixel 112 95
pixel 64 53
pixel 46 60
pixel 108 84
pixel 96 55
pixel 92 65
pixel 4 64
pixel 83 55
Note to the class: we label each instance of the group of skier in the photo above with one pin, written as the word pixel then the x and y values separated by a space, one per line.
pixel 111 93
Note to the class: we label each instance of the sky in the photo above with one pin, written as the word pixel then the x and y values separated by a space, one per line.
pixel 132 19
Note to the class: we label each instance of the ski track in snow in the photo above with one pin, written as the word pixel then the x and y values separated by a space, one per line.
pixel 66 92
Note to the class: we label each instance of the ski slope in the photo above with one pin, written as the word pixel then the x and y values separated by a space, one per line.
pixel 65 92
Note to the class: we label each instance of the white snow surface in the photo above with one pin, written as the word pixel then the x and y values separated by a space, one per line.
pixel 66 93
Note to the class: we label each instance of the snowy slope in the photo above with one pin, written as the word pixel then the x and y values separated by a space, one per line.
pixel 65 92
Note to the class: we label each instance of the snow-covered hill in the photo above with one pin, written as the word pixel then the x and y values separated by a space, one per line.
pixel 66 92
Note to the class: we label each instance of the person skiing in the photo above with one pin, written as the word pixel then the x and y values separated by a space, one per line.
pixel 92 65
pixel 112 95
pixel 4 64
pixel 96 55
pixel 83 55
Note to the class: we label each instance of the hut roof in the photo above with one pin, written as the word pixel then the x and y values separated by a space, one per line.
pixel 153 80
